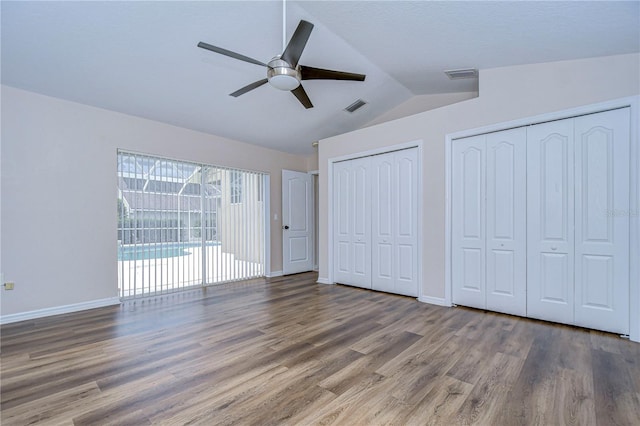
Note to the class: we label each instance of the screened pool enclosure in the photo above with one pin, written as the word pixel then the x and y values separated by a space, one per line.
pixel 182 225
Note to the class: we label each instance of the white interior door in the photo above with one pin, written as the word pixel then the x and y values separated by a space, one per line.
pixel 297 222
pixel 342 262
pixel 361 220
pixel 395 222
pixel 601 221
pixel 550 221
pixel 540 221
pixel 468 222
pixel 352 222
pixel 382 222
pixel 506 227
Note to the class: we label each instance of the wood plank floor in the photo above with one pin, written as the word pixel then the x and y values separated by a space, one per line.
pixel 289 351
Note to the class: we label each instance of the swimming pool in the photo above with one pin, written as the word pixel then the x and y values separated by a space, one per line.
pixel 157 251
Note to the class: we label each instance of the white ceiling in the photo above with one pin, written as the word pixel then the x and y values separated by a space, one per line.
pixel 141 58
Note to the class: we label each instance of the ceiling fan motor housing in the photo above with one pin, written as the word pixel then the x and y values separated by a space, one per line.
pixel 281 75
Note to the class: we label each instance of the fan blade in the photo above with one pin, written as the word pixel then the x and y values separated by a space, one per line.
pixel 248 87
pixel 302 96
pixel 230 54
pixel 310 73
pixel 297 43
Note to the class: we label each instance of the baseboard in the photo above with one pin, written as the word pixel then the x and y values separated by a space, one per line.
pixel 57 310
pixel 274 274
pixel 323 281
pixel 434 301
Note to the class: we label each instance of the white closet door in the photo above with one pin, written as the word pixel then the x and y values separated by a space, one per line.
pixel 405 205
pixel 395 222
pixel 468 219
pixel 506 256
pixel 602 221
pixel 361 222
pixel 550 221
pixel 382 222
pixel 352 222
pixel 342 187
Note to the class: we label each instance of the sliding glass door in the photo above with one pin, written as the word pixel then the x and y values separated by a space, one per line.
pixel 184 224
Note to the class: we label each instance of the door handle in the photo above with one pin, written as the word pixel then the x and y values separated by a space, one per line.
pixel 285 227
pixel 554 248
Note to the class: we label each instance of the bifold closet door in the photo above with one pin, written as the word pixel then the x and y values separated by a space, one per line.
pixel 352 222
pixel 540 221
pixel 578 247
pixel 489 221
pixel 394 222
pixel 506 229
pixel 550 221
pixel 468 222
pixel 601 221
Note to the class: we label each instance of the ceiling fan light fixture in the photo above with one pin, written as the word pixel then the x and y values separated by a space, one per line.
pixel 284 82
pixel 282 76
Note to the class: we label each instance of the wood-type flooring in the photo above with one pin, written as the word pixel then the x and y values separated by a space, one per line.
pixel 290 351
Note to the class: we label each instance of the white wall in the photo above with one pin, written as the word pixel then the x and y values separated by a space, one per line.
pixel 59 193
pixel 505 94
pixel 422 103
pixel 312 161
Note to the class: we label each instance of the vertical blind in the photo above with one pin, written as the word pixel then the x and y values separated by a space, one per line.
pixel 184 224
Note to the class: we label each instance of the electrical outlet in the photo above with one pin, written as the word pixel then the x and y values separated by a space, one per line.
pixel 9 286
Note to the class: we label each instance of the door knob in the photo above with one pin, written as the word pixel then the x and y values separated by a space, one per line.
pixel 285 227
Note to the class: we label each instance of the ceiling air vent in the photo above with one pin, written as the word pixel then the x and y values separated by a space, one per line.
pixel 462 73
pixel 355 106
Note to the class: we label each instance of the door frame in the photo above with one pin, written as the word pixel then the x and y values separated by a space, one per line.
pixel 315 175
pixel 633 103
pixel 384 150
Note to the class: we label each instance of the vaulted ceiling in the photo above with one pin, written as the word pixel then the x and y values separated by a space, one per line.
pixel 141 58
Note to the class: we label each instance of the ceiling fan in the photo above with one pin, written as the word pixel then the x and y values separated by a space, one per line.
pixel 283 71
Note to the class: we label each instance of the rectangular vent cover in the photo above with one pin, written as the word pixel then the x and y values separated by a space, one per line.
pixel 356 105
pixel 462 73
